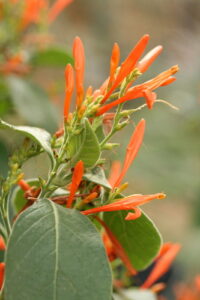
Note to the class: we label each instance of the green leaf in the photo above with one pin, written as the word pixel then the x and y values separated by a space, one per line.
pixel 140 238
pixel 52 57
pixel 97 175
pixel 32 103
pixel 55 253
pixel 40 136
pixel 100 133
pixel 89 150
pixel 3 159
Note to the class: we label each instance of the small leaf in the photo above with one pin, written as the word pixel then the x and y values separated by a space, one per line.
pixel 89 150
pixel 55 253
pixel 140 238
pixel 53 57
pixel 100 133
pixel 136 294
pixel 32 103
pixel 40 136
pixel 97 175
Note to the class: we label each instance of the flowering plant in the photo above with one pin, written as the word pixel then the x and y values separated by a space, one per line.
pixel 73 234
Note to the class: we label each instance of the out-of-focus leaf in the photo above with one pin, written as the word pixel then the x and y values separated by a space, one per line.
pixel 32 103
pixel 140 238
pixel 39 135
pixel 55 253
pixel 53 57
pixel 88 151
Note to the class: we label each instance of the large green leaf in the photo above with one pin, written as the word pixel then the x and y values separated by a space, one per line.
pixel 140 238
pixel 55 253
pixel 89 150
pixel 53 57
pixel 40 136
pixel 32 103
pixel 97 175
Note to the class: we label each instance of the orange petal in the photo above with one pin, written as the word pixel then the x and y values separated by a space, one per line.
pixel 150 98
pixel 69 79
pixel 57 8
pixel 2 244
pixel 114 61
pixel 79 65
pixel 76 180
pixel 24 185
pixel 132 149
pixel 2 270
pixel 133 216
pixel 114 172
pixel 149 58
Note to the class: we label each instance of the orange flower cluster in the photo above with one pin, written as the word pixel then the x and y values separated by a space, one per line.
pixel 33 9
pixel 128 71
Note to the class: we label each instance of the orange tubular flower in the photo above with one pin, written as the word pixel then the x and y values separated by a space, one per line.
pixel 76 180
pixel 116 248
pixel 2 244
pixel 24 185
pixel 149 58
pixel 128 65
pixel 114 61
pixel 57 8
pixel 138 90
pixel 32 11
pixel 69 79
pixel 132 149
pixel 2 269
pixel 127 203
pixel 162 265
pixel 79 61
pixel 115 172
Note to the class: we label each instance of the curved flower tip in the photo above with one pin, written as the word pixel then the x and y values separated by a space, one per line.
pixel 24 185
pixel 133 216
pixel 114 61
pixel 79 65
pixel 114 172
pixel 57 8
pixel 69 80
pixel 149 58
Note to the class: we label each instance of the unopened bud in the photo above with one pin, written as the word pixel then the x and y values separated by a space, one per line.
pixel 122 125
pixel 110 146
pixel 122 187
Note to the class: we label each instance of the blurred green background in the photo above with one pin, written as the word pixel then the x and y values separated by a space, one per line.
pixel 169 159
